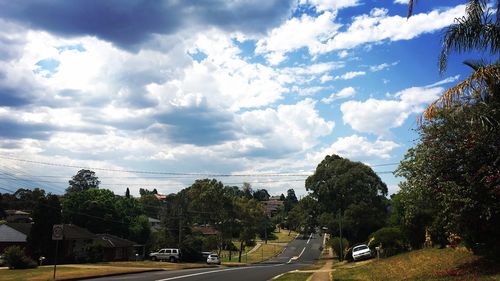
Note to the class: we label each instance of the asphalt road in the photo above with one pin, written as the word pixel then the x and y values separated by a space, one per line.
pixel 298 253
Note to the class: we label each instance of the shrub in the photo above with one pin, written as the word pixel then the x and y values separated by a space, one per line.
pixel 16 259
pixel 335 244
pixel 390 239
pixel 94 252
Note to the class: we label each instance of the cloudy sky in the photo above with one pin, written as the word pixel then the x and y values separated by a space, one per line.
pixel 245 91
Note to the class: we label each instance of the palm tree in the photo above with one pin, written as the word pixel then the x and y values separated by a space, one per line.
pixel 475 31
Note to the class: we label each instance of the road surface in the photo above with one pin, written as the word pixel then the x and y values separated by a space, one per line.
pixel 298 253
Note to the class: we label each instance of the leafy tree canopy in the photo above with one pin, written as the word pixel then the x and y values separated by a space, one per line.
pixel 83 180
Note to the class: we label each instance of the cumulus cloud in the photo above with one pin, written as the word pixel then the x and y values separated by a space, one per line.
pixel 378 116
pixel 306 31
pixel 322 34
pixel 111 20
pixel 357 148
pixel 342 94
pixel 288 129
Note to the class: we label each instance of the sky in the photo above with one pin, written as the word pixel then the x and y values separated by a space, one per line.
pixel 156 94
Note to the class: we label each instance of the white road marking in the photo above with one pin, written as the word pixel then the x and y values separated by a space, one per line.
pixel 309 240
pixel 214 271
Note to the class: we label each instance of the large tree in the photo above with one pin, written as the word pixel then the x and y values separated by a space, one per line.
pixel 458 164
pixel 83 180
pixel 352 191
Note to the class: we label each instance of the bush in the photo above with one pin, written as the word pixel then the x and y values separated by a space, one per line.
pixel 335 244
pixel 16 259
pixel 94 252
pixel 389 239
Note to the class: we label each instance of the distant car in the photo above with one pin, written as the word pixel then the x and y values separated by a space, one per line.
pixel 361 252
pixel 213 259
pixel 168 254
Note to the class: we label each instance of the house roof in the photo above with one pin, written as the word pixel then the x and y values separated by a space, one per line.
pixel 16 212
pixel 73 232
pixel 23 227
pixel 13 232
pixel 161 196
pixel 153 220
pixel 205 230
pixel 111 241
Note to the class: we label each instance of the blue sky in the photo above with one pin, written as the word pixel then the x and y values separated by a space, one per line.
pixel 251 91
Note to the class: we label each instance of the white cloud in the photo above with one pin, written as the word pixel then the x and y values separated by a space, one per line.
pixel 404 2
pixel 322 35
pixel 295 33
pixel 287 129
pixel 382 66
pixel 343 54
pixel 342 94
pixel 379 116
pixel 379 26
pixel 357 148
pixel 444 81
pixel 330 5
pixel 350 75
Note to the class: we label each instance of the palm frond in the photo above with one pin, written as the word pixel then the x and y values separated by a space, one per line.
pixel 481 85
pixel 410 8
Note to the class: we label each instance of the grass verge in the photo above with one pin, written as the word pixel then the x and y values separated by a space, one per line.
pixel 264 252
pixel 426 264
pixel 64 272
pixel 293 276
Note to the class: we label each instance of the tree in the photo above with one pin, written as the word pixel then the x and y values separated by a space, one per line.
pixel 303 217
pixel 127 193
pixel 343 189
pixel 290 200
pixel 458 164
pixel 96 210
pixel 46 213
pixel 261 195
pixel 83 180
pixel 249 214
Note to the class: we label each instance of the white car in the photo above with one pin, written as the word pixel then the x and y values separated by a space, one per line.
pixel 361 252
pixel 172 255
pixel 213 259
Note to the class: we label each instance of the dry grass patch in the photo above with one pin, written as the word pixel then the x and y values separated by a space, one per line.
pixel 283 237
pixel 63 272
pixel 426 264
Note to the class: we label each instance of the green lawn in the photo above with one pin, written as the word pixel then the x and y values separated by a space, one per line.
pixel 264 252
pixel 421 265
pixel 283 237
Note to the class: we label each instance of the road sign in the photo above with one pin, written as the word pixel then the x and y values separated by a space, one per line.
pixel 57 232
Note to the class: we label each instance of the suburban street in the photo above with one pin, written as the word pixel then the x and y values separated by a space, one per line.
pixel 298 253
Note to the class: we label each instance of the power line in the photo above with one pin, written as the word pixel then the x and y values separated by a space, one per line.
pixel 156 172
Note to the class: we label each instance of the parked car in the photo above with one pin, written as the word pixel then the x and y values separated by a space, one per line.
pixel 168 254
pixel 361 252
pixel 213 259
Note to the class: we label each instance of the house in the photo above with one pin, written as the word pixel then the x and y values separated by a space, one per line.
pixel 115 248
pixel 271 207
pixel 160 197
pixel 75 242
pixel 154 224
pixel 17 216
pixel 14 234
pixel 205 230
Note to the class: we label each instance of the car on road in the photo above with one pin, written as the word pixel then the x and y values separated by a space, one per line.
pixel 361 252
pixel 213 259
pixel 167 254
